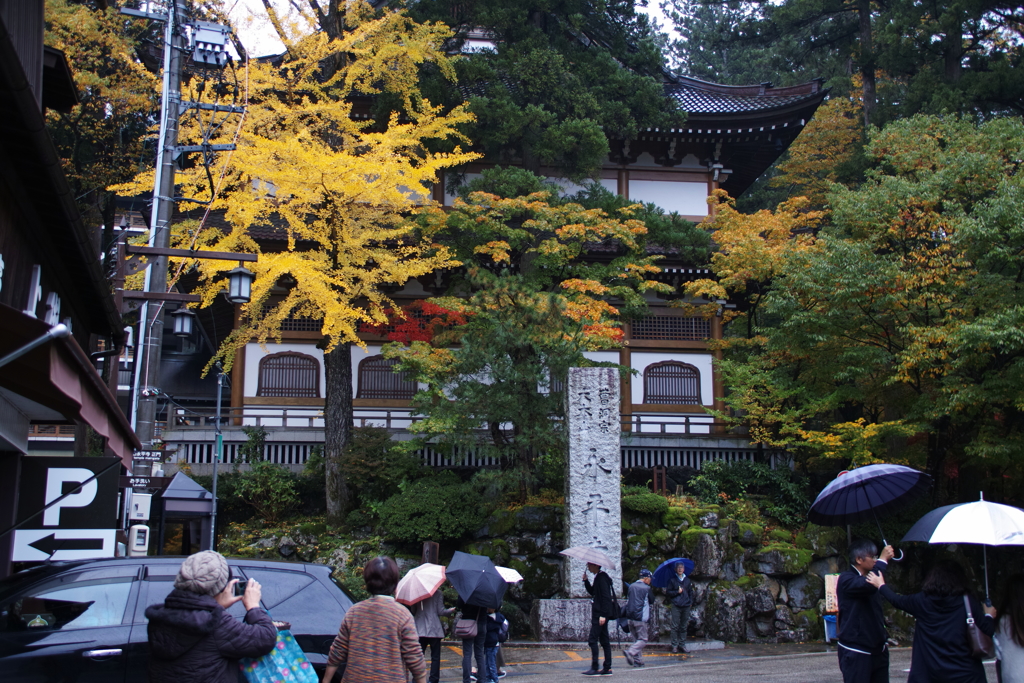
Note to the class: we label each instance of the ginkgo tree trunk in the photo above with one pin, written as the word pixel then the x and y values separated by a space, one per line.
pixel 314 164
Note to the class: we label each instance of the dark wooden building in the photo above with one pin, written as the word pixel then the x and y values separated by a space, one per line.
pixel 50 271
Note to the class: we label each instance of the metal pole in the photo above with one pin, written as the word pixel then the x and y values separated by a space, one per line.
pixel 151 332
pixel 218 455
pixel 55 332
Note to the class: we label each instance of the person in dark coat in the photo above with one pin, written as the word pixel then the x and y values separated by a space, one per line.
pixel 600 614
pixel 191 635
pixel 473 648
pixel 941 653
pixel 863 649
pixel 679 591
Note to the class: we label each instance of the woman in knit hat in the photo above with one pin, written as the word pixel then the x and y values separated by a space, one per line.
pixel 191 635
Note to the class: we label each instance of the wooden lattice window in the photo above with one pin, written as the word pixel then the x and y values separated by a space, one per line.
pixel 672 382
pixel 377 379
pixel 289 375
pixel 670 328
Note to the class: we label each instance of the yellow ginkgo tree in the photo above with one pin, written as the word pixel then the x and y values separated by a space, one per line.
pixel 337 146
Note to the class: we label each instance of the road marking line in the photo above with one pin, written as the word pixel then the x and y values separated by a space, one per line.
pixel 570 654
pixel 456 650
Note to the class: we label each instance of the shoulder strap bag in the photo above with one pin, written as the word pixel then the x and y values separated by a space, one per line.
pixel 980 644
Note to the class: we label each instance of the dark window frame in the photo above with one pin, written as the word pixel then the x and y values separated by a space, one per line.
pixel 389 385
pixel 295 390
pixel 662 395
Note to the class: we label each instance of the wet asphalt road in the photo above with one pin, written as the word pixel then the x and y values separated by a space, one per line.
pixel 813 663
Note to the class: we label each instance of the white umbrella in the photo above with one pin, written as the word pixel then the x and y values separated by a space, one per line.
pixel 510 575
pixel 980 522
pixel 420 583
pixel 591 555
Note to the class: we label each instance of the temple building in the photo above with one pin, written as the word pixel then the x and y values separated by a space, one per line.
pixel 732 134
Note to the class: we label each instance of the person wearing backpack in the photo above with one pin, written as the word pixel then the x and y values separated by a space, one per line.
pixel 680 595
pixel 603 609
pixel 497 633
pixel 638 611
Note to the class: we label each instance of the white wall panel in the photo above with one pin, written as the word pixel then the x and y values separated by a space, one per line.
pixel 686 198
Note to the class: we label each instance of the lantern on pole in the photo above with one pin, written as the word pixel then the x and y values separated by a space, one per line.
pixel 240 285
pixel 183 319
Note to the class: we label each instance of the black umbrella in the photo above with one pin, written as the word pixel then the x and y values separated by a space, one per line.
pixel 864 493
pixel 476 580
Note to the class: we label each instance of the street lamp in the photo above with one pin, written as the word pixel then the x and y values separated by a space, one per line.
pixel 183 318
pixel 240 285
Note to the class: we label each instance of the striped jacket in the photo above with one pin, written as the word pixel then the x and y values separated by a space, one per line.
pixel 377 642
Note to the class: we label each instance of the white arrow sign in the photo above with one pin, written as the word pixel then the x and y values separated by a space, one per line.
pixel 36 545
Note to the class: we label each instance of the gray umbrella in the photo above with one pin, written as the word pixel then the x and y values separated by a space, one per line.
pixel 592 555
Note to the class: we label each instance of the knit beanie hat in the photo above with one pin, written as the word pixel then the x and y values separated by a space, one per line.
pixel 205 573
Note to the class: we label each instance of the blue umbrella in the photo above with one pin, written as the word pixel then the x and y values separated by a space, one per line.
pixel 476 580
pixel 668 568
pixel 862 494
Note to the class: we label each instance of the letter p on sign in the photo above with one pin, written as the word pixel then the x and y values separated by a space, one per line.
pixel 56 477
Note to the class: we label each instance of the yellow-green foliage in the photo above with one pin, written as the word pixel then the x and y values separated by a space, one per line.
pixel 338 182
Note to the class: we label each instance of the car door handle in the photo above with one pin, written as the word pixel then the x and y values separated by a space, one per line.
pixel 102 654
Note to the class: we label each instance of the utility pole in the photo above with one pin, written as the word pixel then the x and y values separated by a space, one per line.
pixel 151 333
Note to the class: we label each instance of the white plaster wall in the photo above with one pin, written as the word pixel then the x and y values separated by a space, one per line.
pixel 687 198
pixel 449 196
pixel 701 361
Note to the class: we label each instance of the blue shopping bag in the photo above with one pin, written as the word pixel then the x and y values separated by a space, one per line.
pixel 286 663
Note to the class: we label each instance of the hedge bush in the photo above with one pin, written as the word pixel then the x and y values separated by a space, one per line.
pixel 440 508
pixel 646 503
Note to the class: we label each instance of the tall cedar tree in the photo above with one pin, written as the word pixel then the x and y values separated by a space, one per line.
pixel 907 57
pixel 336 186
pixel 563 78
pixel 534 299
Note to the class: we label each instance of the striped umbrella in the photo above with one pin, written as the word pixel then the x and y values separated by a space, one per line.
pixel 864 493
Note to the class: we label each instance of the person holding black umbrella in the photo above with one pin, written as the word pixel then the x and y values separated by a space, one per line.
pixel 680 594
pixel 863 650
pixel 600 615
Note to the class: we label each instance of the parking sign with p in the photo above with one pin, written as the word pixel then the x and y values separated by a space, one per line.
pixel 80 516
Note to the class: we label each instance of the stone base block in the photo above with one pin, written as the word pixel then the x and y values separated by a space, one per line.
pixel 561 620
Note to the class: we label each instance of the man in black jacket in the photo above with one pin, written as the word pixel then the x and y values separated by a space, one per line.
pixel 863 652
pixel 680 594
pixel 600 614
pixel 191 635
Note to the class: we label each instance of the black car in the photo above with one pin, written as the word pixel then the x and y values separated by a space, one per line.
pixel 84 621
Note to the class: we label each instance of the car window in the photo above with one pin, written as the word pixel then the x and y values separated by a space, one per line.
pixel 313 610
pixel 87 599
pixel 154 592
pixel 277 586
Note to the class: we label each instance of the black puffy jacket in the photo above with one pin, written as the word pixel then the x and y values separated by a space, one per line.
pixel 192 638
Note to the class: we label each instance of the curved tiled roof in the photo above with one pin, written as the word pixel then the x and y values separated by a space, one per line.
pixel 700 97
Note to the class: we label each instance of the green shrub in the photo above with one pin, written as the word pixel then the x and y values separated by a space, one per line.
pixel 777 492
pixel 268 488
pixel 374 467
pixel 440 508
pixel 356 519
pixel 646 503
pixel 252 450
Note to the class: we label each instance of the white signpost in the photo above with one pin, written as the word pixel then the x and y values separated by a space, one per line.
pixel 79 521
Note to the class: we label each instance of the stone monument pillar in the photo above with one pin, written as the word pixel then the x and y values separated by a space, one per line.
pixel 592 514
